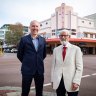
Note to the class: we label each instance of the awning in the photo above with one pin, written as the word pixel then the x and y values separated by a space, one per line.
pixel 72 40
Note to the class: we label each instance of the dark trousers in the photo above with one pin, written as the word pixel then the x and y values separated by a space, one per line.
pixel 26 83
pixel 61 91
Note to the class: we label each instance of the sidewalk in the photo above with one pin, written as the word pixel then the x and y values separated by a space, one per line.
pixel 16 91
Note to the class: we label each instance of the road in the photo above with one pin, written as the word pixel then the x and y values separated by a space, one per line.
pixel 10 74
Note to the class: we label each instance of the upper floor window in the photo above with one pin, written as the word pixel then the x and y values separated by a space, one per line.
pixel 82 21
pixel 85 34
pixel 40 24
pixel 2 36
pixel 91 35
pixel 73 33
pixel 90 23
pixel 1 32
pixel 73 30
pixel 53 34
pixel 46 23
pixel 53 30
pixel 95 35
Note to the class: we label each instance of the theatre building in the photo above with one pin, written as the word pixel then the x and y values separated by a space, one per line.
pixel 83 30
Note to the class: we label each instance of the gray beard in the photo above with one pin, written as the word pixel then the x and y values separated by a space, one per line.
pixel 64 42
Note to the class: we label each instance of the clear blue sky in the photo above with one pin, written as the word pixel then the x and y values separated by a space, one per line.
pixel 23 11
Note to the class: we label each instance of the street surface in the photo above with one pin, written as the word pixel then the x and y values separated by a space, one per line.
pixel 10 74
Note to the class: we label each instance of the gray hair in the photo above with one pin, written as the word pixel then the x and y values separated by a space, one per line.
pixel 34 21
pixel 66 31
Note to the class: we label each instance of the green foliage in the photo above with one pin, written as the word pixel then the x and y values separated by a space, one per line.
pixel 14 34
pixel 1 42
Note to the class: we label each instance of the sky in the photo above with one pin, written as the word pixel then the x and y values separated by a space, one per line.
pixel 24 11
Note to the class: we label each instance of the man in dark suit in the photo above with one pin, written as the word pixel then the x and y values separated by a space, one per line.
pixel 31 53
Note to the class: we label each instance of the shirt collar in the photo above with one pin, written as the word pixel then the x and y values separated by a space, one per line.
pixel 35 38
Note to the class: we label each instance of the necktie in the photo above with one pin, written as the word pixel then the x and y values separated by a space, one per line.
pixel 64 52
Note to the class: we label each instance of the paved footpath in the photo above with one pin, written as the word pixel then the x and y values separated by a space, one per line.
pixel 16 91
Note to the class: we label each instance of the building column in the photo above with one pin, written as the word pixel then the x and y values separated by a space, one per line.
pixel 55 45
pixel 94 51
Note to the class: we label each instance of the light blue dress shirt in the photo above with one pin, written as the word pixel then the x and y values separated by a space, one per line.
pixel 35 42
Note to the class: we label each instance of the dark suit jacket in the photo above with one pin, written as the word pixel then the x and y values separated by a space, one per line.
pixel 32 61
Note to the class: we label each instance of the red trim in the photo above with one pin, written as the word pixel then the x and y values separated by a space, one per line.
pixel 53 40
pixel 72 40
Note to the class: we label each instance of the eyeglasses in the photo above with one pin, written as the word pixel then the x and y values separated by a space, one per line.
pixel 63 35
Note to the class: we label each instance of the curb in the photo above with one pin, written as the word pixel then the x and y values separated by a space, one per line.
pixel 33 93
pixel 16 91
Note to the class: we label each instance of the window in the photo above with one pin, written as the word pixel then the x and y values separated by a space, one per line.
pixel 91 35
pixel 90 23
pixel 60 29
pixel 73 33
pixel 25 29
pixel 73 30
pixel 53 30
pixel 1 32
pixel 46 23
pixel 85 34
pixel 95 35
pixel 53 34
pixel 40 24
pixel 2 36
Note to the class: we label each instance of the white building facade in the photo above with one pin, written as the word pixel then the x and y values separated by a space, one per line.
pixel 65 18
pixel 2 34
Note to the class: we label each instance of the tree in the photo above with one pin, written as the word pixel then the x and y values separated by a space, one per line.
pixel 1 42
pixel 14 34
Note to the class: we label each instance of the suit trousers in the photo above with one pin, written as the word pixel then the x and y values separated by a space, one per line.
pixel 61 91
pixel 26 83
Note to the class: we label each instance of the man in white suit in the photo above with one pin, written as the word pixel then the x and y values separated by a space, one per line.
pixel 66 72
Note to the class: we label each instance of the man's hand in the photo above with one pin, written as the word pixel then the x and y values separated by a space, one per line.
pixel 74 86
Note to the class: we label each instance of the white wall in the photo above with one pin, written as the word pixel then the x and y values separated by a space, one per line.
pixel 45 24
pixel 85 22
pixel 53 21
pixel 71 21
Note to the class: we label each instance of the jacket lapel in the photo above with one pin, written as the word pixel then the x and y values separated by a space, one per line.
pixel 39 43
pixel 30 41
pixel 60 53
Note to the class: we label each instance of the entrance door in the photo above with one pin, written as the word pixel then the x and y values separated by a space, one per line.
pixel 90 50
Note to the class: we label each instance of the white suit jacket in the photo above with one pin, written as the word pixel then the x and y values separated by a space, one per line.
pixel 71 68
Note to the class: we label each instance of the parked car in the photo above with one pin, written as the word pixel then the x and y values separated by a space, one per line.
pixel 14 50
pixel 7 50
